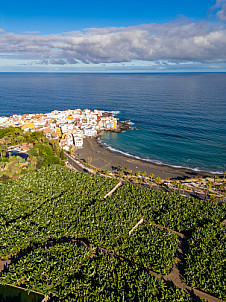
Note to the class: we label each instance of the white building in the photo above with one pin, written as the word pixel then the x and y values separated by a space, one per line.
pixel 78 142
pixel 89 132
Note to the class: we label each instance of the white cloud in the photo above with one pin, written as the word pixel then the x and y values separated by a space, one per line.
pixel 221 14
pixel 178 41
pixel 220 9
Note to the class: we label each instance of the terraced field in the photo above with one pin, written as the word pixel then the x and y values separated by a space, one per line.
pixel 59 234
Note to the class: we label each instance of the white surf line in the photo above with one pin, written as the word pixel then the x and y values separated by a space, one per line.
pixel 113 190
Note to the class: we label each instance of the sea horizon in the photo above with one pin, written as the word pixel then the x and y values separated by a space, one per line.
pixel 114 72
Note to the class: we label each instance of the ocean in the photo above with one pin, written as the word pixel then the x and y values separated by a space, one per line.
pixel 178 118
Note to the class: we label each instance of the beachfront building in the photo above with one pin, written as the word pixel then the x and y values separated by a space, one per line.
pixel 108 123
pixel 89 132
pixel 78 142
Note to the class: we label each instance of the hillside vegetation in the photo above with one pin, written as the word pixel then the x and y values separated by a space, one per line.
pixel 39 151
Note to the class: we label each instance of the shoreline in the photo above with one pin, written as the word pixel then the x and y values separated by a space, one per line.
pixel 104 158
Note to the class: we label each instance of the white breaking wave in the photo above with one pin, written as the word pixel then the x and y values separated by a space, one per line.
pixel 114 112
pixel 158 162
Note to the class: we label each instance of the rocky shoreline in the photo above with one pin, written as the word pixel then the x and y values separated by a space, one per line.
pixel 122 126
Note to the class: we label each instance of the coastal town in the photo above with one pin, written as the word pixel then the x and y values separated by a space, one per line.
pixel 69 127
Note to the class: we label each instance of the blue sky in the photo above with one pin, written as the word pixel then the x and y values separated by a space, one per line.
pixel 114 36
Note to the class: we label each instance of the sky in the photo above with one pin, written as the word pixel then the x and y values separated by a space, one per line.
pixel 113 36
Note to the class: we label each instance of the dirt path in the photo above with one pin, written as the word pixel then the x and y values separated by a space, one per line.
pixel 113 190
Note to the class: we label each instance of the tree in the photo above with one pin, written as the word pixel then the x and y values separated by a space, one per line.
pixel 62 156
pixel 151 175
pixel 89 159
pixel 213 199
pixel 208 186
pixel 106 172
pixel 137 173
pixel 175 183
pixel 200 181
pixel 130 171
pixel 34 162
pixel 184 187
pixel 135 179
pixel 77 155
pixel 2 165
pixel 6 141
pixel 118 168
pixel 179 187
pixel 143 173
pixel 3 150
pixel 121 173
pixel 73 150
pixel 158 180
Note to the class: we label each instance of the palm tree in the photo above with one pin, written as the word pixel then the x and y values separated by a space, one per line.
pixel 6 141
pixel 175 183
pixel 158 180
pixel 89 159
pixel 121 174
pixel 137 173
pixel 2 165
pixel 184 187
pixel 200 181
pixel 118 167
pixel 151 175
pixel 3 150
pixel 143 173
pixel 208 186
pixel 106 172
pixel 135 179
pixel 130 171
pixel 34 162
pixel 179 187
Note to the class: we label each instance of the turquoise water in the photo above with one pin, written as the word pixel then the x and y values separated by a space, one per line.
pixel 179 118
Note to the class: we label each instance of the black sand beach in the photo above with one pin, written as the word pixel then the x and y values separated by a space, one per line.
pixel 106 159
